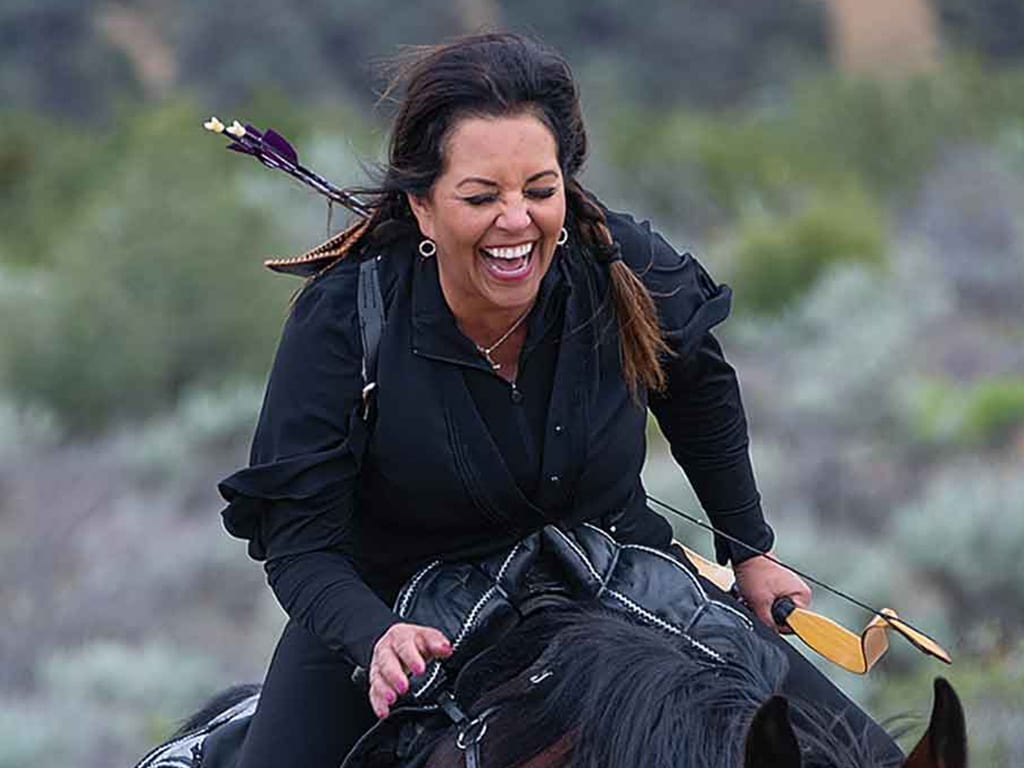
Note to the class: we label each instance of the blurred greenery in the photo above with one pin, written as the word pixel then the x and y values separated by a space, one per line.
pixel 989 689
pixel 973 415
pixel 320 50
pixel 995 26
pixel 869 226
pixel 777 259
pixel 101 692
pixel 787 189
pixel 135 288
pixel 151 284
pixel 965 510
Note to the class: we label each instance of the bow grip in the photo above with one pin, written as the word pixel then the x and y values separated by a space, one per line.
pixel 781 609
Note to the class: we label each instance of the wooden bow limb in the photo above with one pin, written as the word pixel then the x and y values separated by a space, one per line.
pixel 857 653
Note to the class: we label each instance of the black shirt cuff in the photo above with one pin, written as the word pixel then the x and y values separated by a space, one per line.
pixel 753 535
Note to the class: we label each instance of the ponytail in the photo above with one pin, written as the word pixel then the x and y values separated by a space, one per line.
pixel 640 338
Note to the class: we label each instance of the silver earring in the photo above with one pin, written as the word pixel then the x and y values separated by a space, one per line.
pixel 427 248
pixel 563 236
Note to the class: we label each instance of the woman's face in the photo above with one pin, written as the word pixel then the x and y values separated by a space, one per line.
pixel 495 213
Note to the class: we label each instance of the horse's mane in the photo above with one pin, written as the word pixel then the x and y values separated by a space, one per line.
pixel 215 706
pixel 625 694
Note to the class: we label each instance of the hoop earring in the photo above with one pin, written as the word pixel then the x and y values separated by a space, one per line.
pixel 563 236
pixel 427 248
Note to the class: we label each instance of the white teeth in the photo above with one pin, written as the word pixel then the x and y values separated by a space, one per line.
pixel 516 252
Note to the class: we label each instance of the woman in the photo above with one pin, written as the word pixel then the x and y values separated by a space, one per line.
pixel 522 349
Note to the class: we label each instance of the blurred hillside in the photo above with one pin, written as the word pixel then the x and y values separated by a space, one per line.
pixel 866 210
pixel 77 59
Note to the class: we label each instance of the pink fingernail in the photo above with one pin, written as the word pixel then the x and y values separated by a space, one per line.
pixel 390 696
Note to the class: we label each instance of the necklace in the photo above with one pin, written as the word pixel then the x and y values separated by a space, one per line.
pixel 486 351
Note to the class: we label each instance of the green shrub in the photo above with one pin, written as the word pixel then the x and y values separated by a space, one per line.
pixel 963 535
pixel 153 677
pixel 994 408
pixel 977 414
pixel 776 260
pixel 701 172
pixel 104 703
pixel 799 185
pixel 153 285
pixel 177 445
pixel 48 173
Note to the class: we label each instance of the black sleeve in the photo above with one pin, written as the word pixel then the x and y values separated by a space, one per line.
pixel 296 501
pixel 700 412
pixel 701 415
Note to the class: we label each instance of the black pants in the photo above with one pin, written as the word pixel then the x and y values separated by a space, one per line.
pixel 310 713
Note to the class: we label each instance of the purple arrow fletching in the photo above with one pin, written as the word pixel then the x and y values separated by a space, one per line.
pixel 275 151
pixel 280 145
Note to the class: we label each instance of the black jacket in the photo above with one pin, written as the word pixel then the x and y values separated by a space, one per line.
pixel 344 514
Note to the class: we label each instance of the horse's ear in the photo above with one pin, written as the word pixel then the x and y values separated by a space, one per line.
pixel 771 742
pixel 944 744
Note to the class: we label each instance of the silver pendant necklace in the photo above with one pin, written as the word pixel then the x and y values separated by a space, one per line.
pixel 486 351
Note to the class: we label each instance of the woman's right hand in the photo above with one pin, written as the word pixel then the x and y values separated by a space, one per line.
pixel 403 649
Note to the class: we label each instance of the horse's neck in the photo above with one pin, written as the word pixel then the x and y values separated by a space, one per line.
pixel 558 755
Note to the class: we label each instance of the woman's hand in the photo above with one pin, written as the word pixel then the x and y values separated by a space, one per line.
pixel 762 581
pixel 403 649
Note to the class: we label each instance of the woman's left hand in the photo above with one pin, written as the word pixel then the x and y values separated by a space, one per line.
pixel 762 581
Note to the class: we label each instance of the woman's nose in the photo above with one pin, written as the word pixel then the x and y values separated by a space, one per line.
pixel 515 216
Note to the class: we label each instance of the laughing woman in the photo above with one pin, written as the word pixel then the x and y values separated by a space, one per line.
pixel 528 331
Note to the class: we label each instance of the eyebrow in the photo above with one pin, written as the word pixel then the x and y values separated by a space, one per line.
pixel 489 183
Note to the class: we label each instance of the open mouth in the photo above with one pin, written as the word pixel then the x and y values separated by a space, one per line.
pixel 509 263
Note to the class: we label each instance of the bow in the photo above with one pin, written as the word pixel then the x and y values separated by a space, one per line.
pixel 854 652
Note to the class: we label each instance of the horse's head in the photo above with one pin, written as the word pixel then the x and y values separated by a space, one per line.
pixel 587 688
pixel 772 743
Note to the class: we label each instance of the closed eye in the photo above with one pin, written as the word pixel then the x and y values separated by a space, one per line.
pixel 542 193
pixel 538 193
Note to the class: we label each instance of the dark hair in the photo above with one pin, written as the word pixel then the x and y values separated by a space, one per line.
pixel 497 75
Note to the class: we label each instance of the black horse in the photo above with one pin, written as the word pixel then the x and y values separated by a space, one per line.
pixel 588 688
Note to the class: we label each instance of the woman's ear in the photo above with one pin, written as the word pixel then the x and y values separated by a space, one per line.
pixel 422 210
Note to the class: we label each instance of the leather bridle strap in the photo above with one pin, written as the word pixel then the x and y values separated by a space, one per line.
pixel 471 734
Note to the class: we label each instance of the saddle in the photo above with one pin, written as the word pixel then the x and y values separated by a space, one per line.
pixel 476 603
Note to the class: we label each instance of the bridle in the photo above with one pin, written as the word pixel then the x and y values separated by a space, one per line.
pixel 470 734
pixel 471 731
